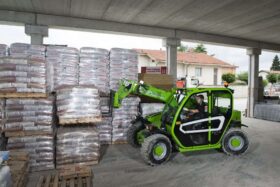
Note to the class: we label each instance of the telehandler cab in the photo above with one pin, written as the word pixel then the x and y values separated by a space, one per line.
pixel 186 123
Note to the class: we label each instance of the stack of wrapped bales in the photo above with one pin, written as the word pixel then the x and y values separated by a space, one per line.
pixel 22 75
pixel 105 130
pixel 29 127
pixel 78 104
pixel 123 65
pixel 62 67
pixel 77 146
pixel 22 50
pixel 3 50
pixel 94 68
pixel 122 118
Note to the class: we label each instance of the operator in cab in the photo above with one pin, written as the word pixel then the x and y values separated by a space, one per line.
pixel 199 110
pixel 200 107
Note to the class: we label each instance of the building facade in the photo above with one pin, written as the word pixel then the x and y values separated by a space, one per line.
pixel 207 69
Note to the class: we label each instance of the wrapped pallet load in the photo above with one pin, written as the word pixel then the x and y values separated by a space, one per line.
pixel 94 68
pixel 123 65
pixel 77 146
pixel 122 118
pixel 78 104
pixel 23 50
pixel 105 130
pixel 22 75
pixel 62 67
pixel 29 127
pixel 3 50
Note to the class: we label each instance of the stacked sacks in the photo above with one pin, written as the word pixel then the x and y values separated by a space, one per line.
pixel 105 130
pixel 29 127
pixel 94 68
pixel 62 66
pixel 122 118
pixel 123 65
pixel 22 75
pixel 22 50
pixel 77 145
pixel 78 104
pixel 3 50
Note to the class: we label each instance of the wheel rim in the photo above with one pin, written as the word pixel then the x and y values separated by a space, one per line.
pixel 236 143
pixel 159 151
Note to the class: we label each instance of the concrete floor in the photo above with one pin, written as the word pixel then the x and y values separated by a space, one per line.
pixel 123 166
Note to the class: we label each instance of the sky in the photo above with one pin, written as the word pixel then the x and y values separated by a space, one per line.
pixel 73 38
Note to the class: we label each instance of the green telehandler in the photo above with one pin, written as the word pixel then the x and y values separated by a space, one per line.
pixel 192 119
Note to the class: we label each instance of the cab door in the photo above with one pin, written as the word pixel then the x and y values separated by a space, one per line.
pixel 220 112
pixel 192 127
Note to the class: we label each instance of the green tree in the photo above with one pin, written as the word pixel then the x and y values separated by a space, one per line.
pixel 264 83
pixel 200 49
pixel 228 77
pixel 182 48
pixel 272 78
pixel 243 76
pixel 275 64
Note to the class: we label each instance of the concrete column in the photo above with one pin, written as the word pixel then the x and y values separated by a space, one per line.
pixel 37 33
pixel 253 80
pixel 171 45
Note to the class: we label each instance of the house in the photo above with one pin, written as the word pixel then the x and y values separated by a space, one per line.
pixel 264 73
pixel 207 69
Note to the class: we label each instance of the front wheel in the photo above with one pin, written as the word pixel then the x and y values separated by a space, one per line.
pixel 235 142
pixel 156 149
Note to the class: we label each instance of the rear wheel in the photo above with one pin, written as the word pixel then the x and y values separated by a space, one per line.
pixel 132 133
pixel 235 142
pixel 156 149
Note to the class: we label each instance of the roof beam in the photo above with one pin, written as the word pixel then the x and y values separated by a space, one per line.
pixel 133 29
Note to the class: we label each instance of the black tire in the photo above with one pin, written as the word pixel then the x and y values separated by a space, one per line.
pixel 242 142
pixel 132 133
pixel 149 146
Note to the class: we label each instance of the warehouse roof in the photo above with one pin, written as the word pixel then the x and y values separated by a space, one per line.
pixel 185 57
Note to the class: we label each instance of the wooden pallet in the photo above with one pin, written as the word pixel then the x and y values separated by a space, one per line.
pixel 119 142
pixel 55 181
pixel 75 171
pixel 18 155
pixel 23 95
pixel 81 164
pixel 26 133
pixel 76 176
pixel 87 120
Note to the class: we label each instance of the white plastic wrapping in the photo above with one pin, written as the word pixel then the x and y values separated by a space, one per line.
pixel 123 64
pixel 105 130
pixel 40 149
pixel 77 103
pixel 5 176
pixel 33 115
pixel 77 145
pixel 150 108
pixel 29 126
pixel 23 50
pixel 122 118
pixel 94 68
pixel 22 75
pixel 62 66
pixel 3 50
